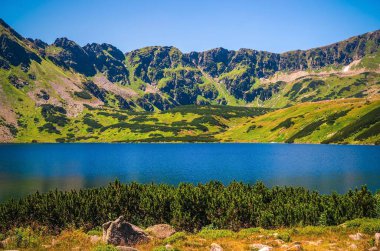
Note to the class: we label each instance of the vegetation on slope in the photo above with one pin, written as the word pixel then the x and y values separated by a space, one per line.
pixel 67 93
pixel 188 207
pixel 338 121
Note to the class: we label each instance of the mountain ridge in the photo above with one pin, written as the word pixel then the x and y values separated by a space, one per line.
pixel 39 81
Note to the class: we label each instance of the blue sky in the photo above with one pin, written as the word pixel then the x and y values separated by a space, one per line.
pixel 192 25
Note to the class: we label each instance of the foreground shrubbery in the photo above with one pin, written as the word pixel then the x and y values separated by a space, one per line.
pixel 189 207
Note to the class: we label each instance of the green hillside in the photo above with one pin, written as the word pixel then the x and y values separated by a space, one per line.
pixel 67 93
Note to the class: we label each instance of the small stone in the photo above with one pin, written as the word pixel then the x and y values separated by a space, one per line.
pixel 356 237
pixel 5 243
pixel 169 247
pixel 260 247
pixel 276 243
pixel 377 239
pixel 373 249
pixel 265 249
pixel 53 242
pixel 353 247
pixel 216 247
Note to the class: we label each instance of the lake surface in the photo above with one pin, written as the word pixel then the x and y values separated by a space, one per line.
pixel 26 168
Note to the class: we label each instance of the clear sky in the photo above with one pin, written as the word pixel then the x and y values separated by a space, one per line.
pixel 194 25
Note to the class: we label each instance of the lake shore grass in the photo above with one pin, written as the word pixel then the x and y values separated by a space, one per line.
pixel 340 237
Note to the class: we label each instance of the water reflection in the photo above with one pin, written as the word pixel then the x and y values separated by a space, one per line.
pixel 27 168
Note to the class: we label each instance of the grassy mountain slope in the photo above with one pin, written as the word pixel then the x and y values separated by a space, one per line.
pixel 63 92
pixel 338 121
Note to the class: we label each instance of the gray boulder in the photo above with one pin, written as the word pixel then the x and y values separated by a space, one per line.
pixel 122 233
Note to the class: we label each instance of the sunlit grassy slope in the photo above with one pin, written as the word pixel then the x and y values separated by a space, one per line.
pixel 336 121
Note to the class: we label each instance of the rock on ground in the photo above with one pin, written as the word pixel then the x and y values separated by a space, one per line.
pixel 216 247
pixel 161 231
pixel 266 249
pixel 5 243
pixel 123 233
pixel 373 249
pixel 169 247
pixel 377 239
pixel 353 247
pixel 296 247
pixel 356 237
pixel 260 247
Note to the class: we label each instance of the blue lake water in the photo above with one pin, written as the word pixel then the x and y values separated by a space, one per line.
pixel 26 168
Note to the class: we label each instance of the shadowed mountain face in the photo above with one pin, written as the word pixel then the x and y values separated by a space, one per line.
pixel 37 77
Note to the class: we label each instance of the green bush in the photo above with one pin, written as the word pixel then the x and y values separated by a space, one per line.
pixel 24 238
pixel 179 236
pixel 285 237
pixel 188 207
pixel 248 231
pixel 377 204
pixel 83 95
pixel 215 234
pixel 96 231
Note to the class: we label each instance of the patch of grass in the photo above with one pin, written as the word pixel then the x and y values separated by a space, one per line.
pixel 96 231
pixel 24 238
pixel 365 225
pixel 285 237
pixel 104 247
pixel 215 233
pixel 179 236
pixel 248 231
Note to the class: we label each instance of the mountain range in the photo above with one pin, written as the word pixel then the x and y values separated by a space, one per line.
pixel 63 92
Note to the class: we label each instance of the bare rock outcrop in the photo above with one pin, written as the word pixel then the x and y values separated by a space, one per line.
pixel 122 233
